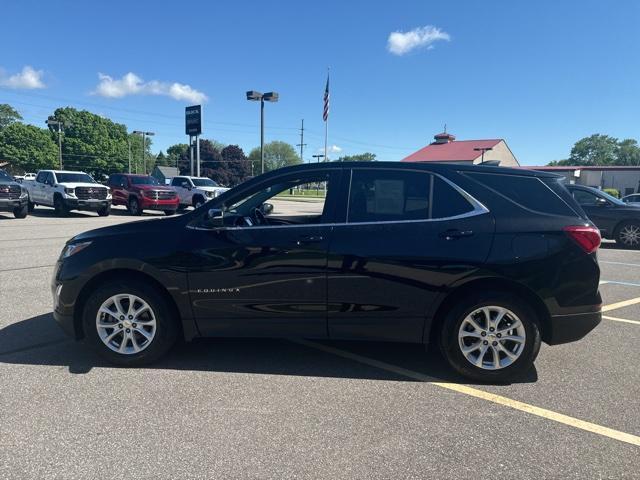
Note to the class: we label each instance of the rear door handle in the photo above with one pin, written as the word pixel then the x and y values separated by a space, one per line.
pixel 308 239
pixel 454 234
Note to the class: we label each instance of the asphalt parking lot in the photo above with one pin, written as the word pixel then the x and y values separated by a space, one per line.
pixel 230 408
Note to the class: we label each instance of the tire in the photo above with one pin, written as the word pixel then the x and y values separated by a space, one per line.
pixel 168 213
pixel 628 235
pixel 134 206
pixel 21 212
pixel 31 206
pixel 104 212
pixel 198 201
pixel 59 206
pixel 525 350
pixel 163 334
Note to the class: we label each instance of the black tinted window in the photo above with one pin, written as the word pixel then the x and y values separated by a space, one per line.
pixel 585 198
pixel 383 195
pixel 41 177
pixel 447 201
pixel 528 192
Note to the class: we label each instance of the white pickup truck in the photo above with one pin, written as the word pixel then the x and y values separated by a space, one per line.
pixel 195 191
pixel 65 191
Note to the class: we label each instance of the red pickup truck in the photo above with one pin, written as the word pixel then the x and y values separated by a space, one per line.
pixel 142 192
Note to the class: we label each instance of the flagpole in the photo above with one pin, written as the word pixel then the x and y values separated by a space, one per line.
pixel 326 134
pixel 326 122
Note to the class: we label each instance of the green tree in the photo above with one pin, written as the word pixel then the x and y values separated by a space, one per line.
pixel 277 154
pixel 162 160
pixel 8 115
pixel 96 144
pixel 236 164
pixel 361 157
pixel 628 153
pixel 600 150
pixel 28 148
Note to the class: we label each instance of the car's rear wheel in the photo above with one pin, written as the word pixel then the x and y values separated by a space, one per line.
pixel 628 235
pixel 129 323
pixel 21 212
pixel 491 337
pixel 134 206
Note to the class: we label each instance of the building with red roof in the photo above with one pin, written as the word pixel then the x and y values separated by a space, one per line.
pixel 445 148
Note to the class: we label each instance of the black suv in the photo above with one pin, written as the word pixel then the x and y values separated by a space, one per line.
pixel 13 196
pixel 485 262
pixel 616 219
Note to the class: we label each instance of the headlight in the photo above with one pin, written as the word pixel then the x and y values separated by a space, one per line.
pixel 23 192
pixel 70 191
pixel 74 248
pixel 210 194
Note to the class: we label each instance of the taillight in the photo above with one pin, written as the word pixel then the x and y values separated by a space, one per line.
pixel 587 237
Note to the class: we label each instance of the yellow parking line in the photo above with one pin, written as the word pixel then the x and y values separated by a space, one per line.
pixel 616 319
pixel 625 303
pixel 474 392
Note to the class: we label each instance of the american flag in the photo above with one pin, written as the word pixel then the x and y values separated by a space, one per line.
pixel 325 113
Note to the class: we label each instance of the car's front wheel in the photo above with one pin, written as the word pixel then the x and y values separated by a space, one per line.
pixel 491 337
pixel 129 323
pixel 104 211
pixel 628 235
pixel 21 212
pixel 134 206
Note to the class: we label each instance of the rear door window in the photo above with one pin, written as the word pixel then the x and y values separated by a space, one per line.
pixel 528 192
pixel 387 195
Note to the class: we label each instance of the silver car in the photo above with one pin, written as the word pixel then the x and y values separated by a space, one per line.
pixel 633 199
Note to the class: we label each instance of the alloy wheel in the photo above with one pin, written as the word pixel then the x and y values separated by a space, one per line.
pixel 491 337
pixel 630 235
pixel 126 324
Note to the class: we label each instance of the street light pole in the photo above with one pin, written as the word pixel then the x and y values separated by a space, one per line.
pixel 254 96
pixel 262 134
pixel 319 156
pixel 482 149
pixel 144 135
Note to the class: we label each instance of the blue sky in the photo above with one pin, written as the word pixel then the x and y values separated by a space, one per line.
pixel 539 74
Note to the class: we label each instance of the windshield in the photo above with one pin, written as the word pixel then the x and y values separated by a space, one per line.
pixel 64 177
pixel 4 176
pixel 204 182
pixel 144 181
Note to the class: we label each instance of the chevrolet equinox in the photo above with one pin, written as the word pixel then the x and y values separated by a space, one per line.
pixel 483 262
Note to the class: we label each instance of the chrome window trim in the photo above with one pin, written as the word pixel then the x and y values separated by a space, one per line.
pixel 478 209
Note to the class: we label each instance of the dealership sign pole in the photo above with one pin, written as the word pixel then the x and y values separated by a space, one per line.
pixel 193 128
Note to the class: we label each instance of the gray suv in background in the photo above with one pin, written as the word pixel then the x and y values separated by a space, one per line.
pixel 13 196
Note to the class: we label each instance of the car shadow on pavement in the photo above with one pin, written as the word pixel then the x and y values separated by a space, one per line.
pixel 39 341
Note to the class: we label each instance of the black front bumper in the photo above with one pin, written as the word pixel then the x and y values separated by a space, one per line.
pixel 92 205
pixel 569 328
pixel 7 205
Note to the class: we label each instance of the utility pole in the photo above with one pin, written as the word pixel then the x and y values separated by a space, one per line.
pixel 301 144
pixel 59 124
pixel 144 158
pixel 129 143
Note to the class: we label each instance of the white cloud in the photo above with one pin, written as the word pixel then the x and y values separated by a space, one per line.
pixel 28 79
pixel 330 149
pixel 131 84
pixel 400 43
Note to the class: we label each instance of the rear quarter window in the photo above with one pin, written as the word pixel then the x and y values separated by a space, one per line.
pixel 528 192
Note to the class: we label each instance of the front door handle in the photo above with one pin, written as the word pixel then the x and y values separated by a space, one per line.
pixel 308 239
pixel 454 234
